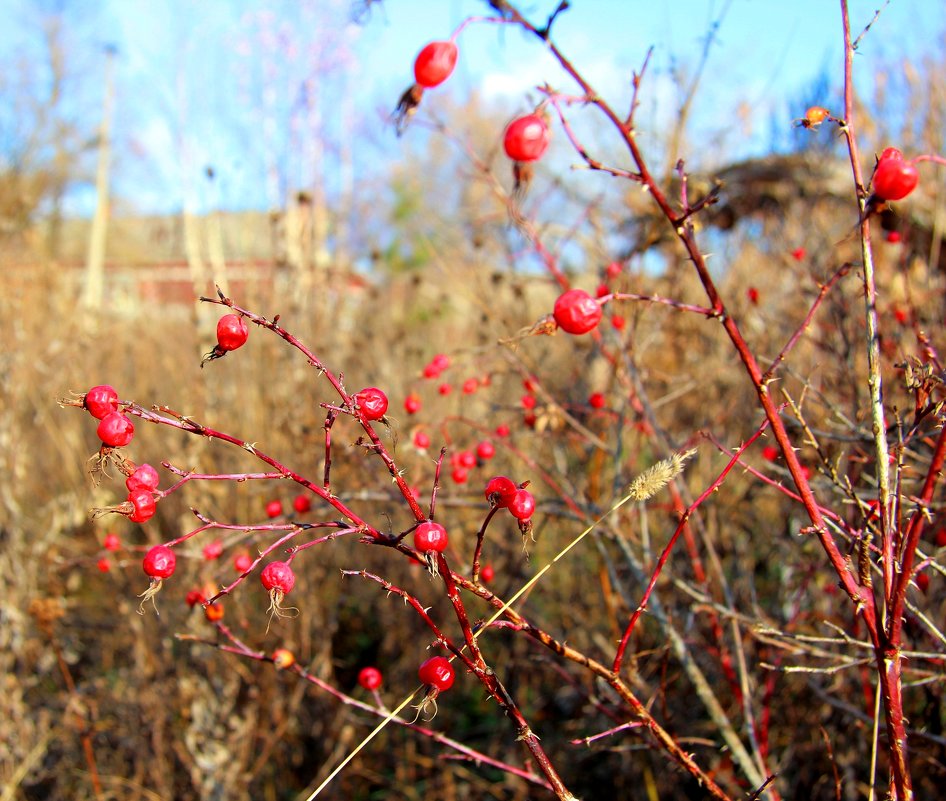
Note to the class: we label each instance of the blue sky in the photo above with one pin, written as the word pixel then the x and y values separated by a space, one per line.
pixel 241 85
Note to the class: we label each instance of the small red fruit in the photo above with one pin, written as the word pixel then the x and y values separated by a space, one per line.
pixel 278 577
pixel 242 562
pixel 618 322
pixel 470 386
pixel 144 477
pixel 440 361
pixel 143 505
pixel 894 178
pixel 798 254
pixel 273 508
pixel 500 491
pixel 893 237
pixel 814 116
pixel 502 431
pixel 214 612
pixel 444 389
pixel 613 270
pixel 576 312
pixel 485 450
pixel 487 573
pixel 302 503
pixel 466 459
pixel 460 475
pixel 159 562
pixel 103 565
pixel 435 63
pixel 522 505
pixel 115 430
pixel 770 453
pixel 597 400
pixel 213 550
pixel 528 401
pixel 526 138
pixel 430 536
pixel 101 400
pixel 901 315
pixel 437 672
pixel 232 332
pixel 412 404
pixel 369 678
pixel 283 658
pixel 194 597
pixel 421 440
pixel 940 538
pixel 753 294
pixel 111 542
pixel 372 403
pixel 923 581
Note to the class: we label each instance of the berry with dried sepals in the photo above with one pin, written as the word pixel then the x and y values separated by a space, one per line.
pixel 369 678
pixel 894 178
pixel 576 312
pixel 232 333
pixel 522 505
pixel 101 400
pixel 437 672
pixel 144 477
pixel 500 490
pixel 430 537
pixel 115 430
pixel 143 505
pixel 372 403
pixel 527 138
pixel 159 563
pixel 278 579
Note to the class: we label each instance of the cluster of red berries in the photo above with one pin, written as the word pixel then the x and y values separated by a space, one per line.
pixel 503 493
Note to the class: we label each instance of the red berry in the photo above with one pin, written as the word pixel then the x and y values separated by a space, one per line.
pixel 434 63
pixel 194 597
pixel 923 581
pixel 894 178
pixel 467 459
pixel 103 565
pixel 159 562
pixel 613 270
pixel 214 612
pixel 470 386
pixel 522 505
pixel 273 509
pixel 412 404
pixel 302 503
pixel 213 550
pixel 893 237
pixel 596 400
pixel 460 475
pixel 101 400
pixel 798 254
pixel 115 430
pixel 144 505
pixel 431 371
pixel 500 491
pixel 485 450
pixel 444 389
pixel 502 431
pixel 440 362
pixel 369 678
pixel 144 477
pixel 372 403
pixel 430 536
pixel 770 453
pixel 753 294
pixel 111 542
pixel 437 672
pixel 576 312
pixel 232 332
pixel 527 138
pixel 278 576
pixel 602 290
pixel 940 538
pixel 487 573
pixel 421 440
pixel 902 316
pixel 528 401
pixel 283 658
pixel 618 322
pixel 242 562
